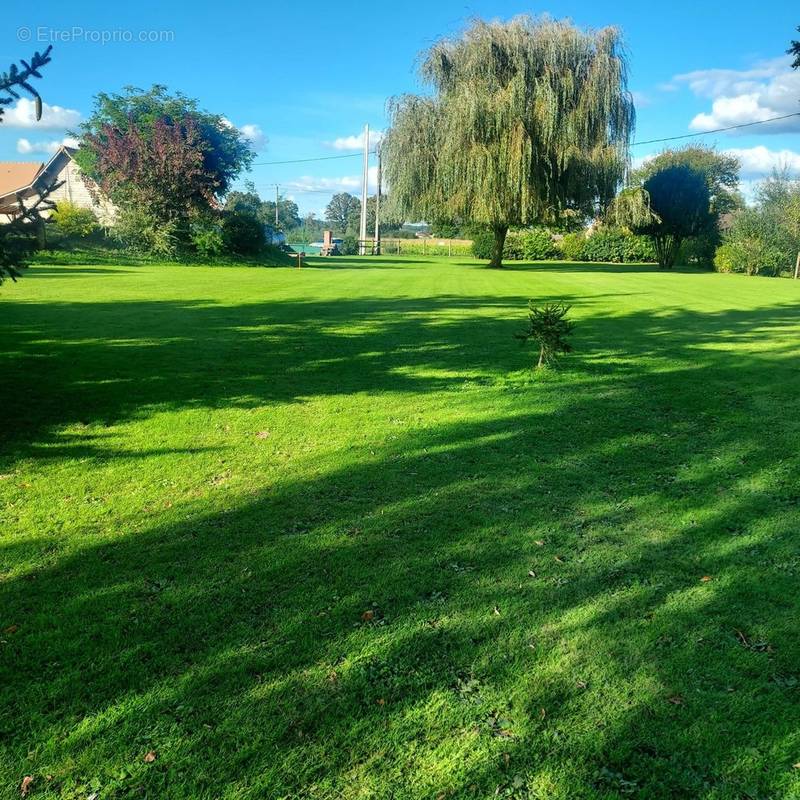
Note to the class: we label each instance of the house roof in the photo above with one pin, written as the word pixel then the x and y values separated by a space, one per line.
pixel 16 175
pixel 26 178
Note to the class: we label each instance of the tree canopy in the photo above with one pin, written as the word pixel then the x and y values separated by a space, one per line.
pixel 720 170
pixel 161 159
pixel 675 205
pixel 527 119
pixel 343 211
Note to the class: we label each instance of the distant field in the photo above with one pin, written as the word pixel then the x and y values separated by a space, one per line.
pixel 321 533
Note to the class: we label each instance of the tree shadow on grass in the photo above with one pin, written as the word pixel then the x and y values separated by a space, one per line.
pixel 234 642
pixel 103 363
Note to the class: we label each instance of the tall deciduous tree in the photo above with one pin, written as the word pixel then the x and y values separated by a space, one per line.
pixel 527 119
pixel 342 210
pixel 673 204
pixel 160 155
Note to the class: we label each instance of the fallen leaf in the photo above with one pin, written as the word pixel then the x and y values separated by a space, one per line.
pixel 12 628
pixel 531 573
pixel 796 766
pixel 539 542
pixel 150 757
pixel 368 615
pixel 705 578
pixel 380 701
pixel 542 714
pixel 92 796
pixel 559 559
pixel 262 435
pixel 582 684
pixel 25 786
pixel 497 611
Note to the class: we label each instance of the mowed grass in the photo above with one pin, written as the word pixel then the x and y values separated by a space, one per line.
pixel 323 534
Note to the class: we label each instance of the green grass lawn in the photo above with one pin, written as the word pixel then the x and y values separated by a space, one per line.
pixel 323 534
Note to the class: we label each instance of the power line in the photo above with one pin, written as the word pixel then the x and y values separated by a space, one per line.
pixel 633 144
pixel 305 160
pixel 717 130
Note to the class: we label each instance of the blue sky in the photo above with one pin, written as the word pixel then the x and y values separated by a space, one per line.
pixel 304 77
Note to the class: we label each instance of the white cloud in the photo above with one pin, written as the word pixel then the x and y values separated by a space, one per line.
pixel 251 132
pixel 758 162
pixel 26 146
pixel 768 89
pixel 346 183
pixel 356 142
pixel 641 99
pixel 255 135
pixel 23 115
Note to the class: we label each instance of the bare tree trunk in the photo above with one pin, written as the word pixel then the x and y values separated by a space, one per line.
pixel 500 232
pixel 667 250
pixel 541 357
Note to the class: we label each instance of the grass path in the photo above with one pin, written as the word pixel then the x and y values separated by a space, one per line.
pixel 322 534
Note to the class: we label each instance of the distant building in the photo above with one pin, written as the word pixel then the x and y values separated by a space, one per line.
pixel 26 180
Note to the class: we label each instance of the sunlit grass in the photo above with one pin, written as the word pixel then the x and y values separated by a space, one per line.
pixel 324 534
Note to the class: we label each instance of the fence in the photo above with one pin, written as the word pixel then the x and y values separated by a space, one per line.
pixel 427 247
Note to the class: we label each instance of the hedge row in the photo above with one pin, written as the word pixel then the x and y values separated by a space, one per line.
pixel 539 244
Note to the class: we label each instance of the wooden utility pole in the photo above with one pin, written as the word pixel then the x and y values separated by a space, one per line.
pixel 276 206
pixel 378 207
pixel 362 231
pixel 797 267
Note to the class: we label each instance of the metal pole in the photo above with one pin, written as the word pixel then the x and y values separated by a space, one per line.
pixel 362 234
pixel 378 208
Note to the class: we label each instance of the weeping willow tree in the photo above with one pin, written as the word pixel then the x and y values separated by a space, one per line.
pixel 527 119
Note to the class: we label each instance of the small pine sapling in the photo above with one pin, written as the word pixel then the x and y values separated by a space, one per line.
pixel 549 327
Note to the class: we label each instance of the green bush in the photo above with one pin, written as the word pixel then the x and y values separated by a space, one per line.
pixel 537 244
pixel 571 246
pixel 513 247
pixel 349 246
pixel 726 258
pixel 207 239
pixel 140 232
pixel 699 249
pixel 752 256
pixel 482 243
pixel 243 234
pixel 71 220
pixel 617 246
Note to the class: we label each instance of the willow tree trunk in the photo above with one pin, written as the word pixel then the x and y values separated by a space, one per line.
pixel 500 232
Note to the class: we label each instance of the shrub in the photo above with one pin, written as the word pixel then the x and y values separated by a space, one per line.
pixel 725 258
pixel 71 220
pixel 571 246
pixel 140 232
pixel 207 239
pixel 605 244
pixel 349 246
pixel 639 249
pixel 617 246
pixel 548 326
pixel 699 249
pixel 514 246
pixel 752 256
pixel 482 243
pixel 242 234
pixel 537 244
